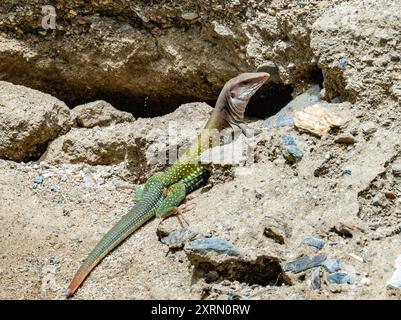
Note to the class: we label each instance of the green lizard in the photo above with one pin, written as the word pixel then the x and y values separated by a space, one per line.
pixel 164 191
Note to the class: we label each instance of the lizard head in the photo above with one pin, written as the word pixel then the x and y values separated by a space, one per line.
pixel 238 91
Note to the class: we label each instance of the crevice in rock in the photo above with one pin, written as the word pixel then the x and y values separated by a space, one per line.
pixel 269 100
pixel 266 102
pixel 263 271
pixel 145 106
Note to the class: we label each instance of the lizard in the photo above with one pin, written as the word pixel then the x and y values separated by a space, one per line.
pixel 164 191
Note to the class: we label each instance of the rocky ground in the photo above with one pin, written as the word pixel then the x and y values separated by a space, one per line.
pixel 311 211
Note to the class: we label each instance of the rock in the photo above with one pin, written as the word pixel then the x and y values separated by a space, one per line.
pixel 358 37
pixel 95 146
pixel 144 146
pixel 339 278
pixel 358 258
pixel 271 68
pixel 290 149
pixel 29 120
pixel 314 242
pixel 315 280
pixel 378 200
pixel 395 56
pixel 345 138
pixel 343 229
pixel 346 172
pixel 305 263
pixel 343 63
pixel 390 195
pixel 189 16
pixel 38 179
pixel 369 128
pixel 177 238
pixel 217 245
pixel 284 117
pixel 396 169
pixel 331 265
pixel 222 30
pixel 99 113
pixel 395 280
pixel 317 120
pixel 275 229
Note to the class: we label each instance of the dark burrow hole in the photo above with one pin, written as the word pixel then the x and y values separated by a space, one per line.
pixel 266 102
pixel 264 271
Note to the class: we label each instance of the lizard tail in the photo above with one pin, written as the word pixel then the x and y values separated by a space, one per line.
pixel 136 217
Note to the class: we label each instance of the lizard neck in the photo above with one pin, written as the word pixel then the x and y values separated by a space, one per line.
pixel 209 136
pixel 210 133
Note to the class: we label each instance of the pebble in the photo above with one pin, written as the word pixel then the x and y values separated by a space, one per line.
pixel 331 265
pixel 189 16
pixel 314 242
pixel 396 169
pixel 38 179
pixel 360 259
pixel 55 188
pixel 368 128
pixel 339 278
pixel 222 30
pixel 305 263
pixel 290 149
pixel 390 195
pixel 315 281
pixel 377 200
pixel 395 280
pixel 395 56
pixel 178 237
pixel 343 63
pixel 346 172
pixel 218 245
pixel 345 138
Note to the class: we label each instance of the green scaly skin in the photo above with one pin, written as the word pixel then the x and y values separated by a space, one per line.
pixel 164 191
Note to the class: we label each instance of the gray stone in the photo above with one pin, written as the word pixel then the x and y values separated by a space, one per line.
pixel 395 56
pixel 290 149
pixel 342 64
pixel 314 242
pixel 331 265
pixel 177 238
pixel 38 179
pixel 396 169
pixel 378 200
pixel 369 128
pixel 218 245
pixel 305 263
pixel 315 280
pixel 339 278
